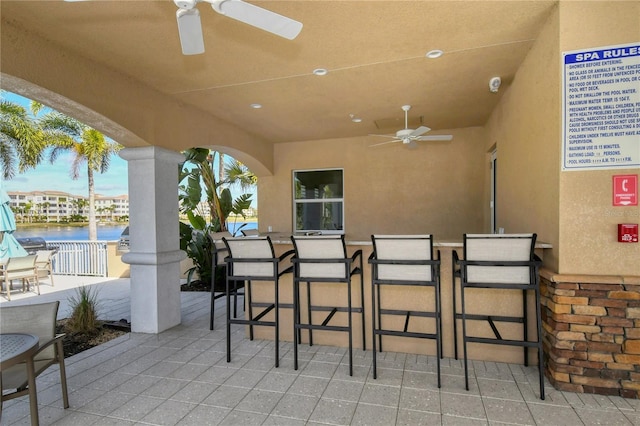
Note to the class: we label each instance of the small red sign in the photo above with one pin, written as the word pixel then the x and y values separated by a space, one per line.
pixel 625 190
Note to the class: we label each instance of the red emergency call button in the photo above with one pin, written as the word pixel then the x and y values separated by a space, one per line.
pixel 627 232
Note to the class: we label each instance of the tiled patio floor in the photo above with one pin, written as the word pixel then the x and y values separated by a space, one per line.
pixel 181 377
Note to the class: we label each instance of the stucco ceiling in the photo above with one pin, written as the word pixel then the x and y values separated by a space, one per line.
pixel 374 52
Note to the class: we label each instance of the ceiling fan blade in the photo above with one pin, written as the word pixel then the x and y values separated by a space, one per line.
pixel 384 136
pixel 385 143
pixel 190 31
pixel 258 17
pixel 435 138
pixel 419 131
pixel 411 145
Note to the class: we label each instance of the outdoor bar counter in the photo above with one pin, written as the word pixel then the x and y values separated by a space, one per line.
pixel 491 301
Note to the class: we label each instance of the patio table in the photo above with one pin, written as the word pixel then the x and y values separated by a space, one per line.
pixel 14 349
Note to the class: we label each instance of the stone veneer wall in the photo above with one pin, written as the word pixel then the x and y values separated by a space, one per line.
pixel 591 327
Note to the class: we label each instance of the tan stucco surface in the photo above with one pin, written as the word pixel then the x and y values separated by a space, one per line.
pixel 439 188
pixel 435 188
pixel 588 221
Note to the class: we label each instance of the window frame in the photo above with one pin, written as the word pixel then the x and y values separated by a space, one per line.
pixel 320 201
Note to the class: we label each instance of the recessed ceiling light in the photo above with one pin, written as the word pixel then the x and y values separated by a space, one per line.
pixel 355 119
pixel 320 71
pixel 256 106
pixel 433 54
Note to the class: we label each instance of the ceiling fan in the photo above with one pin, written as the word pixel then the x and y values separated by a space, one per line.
pixel 190 27
pixel 409 137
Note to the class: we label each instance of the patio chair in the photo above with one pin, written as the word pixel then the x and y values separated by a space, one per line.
pixel 20 268
pixel 43 264
pixel 498 262
pixel 253 260
pixel 322 260
pixel 398 263
pixel 39 320
pixel 218 252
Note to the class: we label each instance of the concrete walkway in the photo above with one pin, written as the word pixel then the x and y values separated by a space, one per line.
pixel 112 294
pixel 181 377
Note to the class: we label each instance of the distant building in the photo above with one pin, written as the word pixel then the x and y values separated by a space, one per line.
pixel 58 206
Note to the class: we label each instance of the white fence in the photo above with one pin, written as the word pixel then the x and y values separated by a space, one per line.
pixel 80 258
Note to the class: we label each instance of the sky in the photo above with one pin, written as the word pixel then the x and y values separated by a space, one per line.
pixel 57 176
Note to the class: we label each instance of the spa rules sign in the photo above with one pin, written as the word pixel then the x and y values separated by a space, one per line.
pixel 601 108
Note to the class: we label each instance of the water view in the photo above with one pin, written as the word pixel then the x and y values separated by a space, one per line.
pixel 81 233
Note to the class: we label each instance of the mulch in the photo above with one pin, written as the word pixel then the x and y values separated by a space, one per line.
pixel 74 343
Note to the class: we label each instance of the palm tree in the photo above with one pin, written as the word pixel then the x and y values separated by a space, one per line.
pixel 239 174
pixel 89 148
pixel 22 142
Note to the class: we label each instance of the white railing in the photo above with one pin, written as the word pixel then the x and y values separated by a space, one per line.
pixel 79 258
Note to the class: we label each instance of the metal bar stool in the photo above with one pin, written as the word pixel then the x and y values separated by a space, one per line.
pixel 218 253
pixel 501 262
pixel 249 260
pixel 405 260
pixel 323 259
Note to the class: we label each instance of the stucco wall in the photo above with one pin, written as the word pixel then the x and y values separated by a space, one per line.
pixel 435 188
pixel 570 210
pixel 524 128
pixel 588 222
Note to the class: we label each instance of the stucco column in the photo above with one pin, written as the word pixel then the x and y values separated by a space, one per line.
pixel 155 253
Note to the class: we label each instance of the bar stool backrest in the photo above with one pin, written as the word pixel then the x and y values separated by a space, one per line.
pixel 318 248
pixel 499 247
pixel 259 249
pixel 403 247
pixel 219 248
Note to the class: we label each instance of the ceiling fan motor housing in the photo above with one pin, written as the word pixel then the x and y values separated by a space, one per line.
pixel 185 4
pixel 404 135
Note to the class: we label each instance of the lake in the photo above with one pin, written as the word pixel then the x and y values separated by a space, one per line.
pixel 105 232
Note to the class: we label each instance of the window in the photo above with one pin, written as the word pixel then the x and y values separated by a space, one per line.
pixel 318 201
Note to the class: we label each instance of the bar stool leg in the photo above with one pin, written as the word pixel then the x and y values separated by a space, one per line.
pixel 350 322
pixel 277 331
pixel 540 351
pixel 438 330
pixel 455 319
pixel 464 338
pixel 249 307
pixel 309 316
pixel 374 291
pixel 228 308
pixel 364 334
pixel 525 332
pixel 296 321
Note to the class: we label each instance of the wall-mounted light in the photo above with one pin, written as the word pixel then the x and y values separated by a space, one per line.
pixel 494 84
